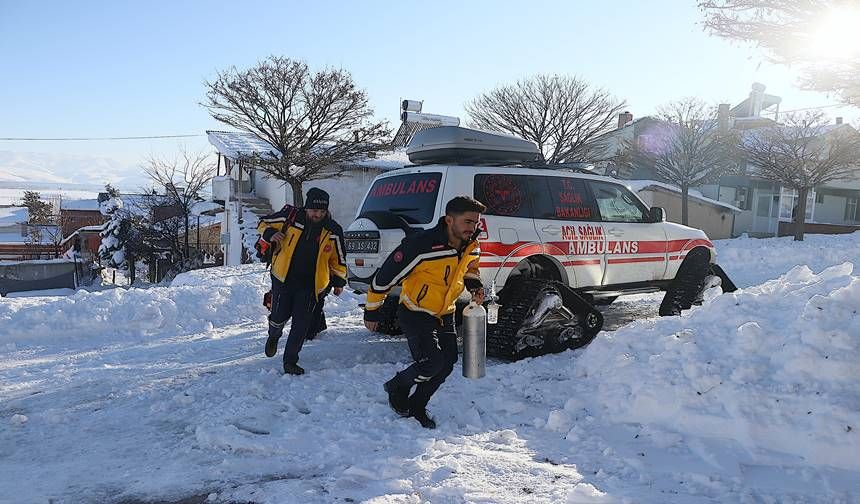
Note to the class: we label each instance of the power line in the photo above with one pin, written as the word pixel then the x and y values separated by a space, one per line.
pixel 78 139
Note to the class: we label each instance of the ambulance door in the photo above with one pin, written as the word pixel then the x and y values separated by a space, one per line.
pixel 635 247
pixel 567 222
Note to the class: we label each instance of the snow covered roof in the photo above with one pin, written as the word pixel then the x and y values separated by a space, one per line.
pixel 644 185
pixel 15 238
pixel 236 144
pixel 84 229
pixel 138 204
pixel 80 204
pixel 12 238
pixel 12 215
pixel 826 129
pixel 201 207
pixel 39 261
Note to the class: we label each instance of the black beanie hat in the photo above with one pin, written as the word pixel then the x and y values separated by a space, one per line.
pixel 317 199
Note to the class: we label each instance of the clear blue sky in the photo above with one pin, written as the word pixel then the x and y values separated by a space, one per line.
pixel 117 68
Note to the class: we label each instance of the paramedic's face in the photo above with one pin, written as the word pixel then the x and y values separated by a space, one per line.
pixel 316 215
pixel 463 226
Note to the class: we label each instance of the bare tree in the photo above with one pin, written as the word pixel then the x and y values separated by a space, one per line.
pixel 54 231
pixel 788 29
pixel 687 148
pixel 182 180
pixel 803 153
pixel 563 115
pixel 313 120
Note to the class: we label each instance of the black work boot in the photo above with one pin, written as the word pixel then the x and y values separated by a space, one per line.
pixel 423 418
pixel 272 345
pixel 293 369
pixel 398 398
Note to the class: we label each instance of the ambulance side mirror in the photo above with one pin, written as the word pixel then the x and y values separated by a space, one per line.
pixel 657 214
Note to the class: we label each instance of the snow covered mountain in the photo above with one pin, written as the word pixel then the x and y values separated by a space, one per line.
pixel 42 171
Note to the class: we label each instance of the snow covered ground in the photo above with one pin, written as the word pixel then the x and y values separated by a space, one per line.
pixel 164 393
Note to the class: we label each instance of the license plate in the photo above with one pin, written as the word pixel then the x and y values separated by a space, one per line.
pixel 362 246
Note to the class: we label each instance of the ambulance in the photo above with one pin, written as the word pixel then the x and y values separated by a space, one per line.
pixel 555 241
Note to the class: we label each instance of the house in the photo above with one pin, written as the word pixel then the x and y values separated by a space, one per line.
pixel 85 241
pixel 204 233
pixel 347 190
pixel 248 193
pixel 715 218
pixel 21 241
pixel 764 206
pixel 76 214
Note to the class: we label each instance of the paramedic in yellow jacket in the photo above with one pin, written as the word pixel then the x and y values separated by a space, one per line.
pixel 307 256
pixel 432 267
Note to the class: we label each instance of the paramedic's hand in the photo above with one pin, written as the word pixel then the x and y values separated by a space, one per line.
pixel 337 291
pixel 277 237
pixel 478 296
pixel 373 326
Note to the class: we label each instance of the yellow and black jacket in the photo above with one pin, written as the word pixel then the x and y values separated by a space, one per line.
pixel 331 258
pixel 431 272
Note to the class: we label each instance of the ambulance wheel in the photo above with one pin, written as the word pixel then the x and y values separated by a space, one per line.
pixel 539 317
pixel 688 284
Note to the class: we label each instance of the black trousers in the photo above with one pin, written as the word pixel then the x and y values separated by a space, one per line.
pixel 433 344
pixel 297 303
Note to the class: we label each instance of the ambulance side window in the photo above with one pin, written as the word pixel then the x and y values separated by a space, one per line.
pixel 504 195
pixel 562 198
pixel 617 204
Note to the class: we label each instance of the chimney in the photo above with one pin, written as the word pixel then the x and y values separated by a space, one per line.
pixel 624 118
pixel 723 117
pixel 838 120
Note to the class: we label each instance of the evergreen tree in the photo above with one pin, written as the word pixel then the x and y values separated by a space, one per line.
pixel 114 233
pixel 39 212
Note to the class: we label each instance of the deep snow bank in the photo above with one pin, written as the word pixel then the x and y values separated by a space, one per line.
pixel 751 261
pixel 196 301
pixel 775 367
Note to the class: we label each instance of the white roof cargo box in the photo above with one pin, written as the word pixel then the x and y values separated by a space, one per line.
pixel 464 146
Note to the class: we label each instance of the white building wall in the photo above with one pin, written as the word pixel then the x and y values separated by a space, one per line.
pixel 743 222
pixel 346 192
pixel 831 211
pixel 273 190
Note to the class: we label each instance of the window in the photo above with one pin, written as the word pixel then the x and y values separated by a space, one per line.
pixel 851 213
pixel 412 196
pixel 788 205
pixel 562 198
pixel 504 195
pixel 617 204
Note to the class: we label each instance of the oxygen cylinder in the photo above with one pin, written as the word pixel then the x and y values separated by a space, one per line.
pixel 474 341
